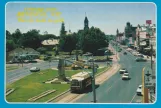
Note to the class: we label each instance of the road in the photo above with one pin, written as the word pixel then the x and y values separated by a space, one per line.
pixel 17 74
pixel 115 90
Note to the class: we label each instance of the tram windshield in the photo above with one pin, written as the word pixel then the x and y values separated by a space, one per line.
pixel 75 83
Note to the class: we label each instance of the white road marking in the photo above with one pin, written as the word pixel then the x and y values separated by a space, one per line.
pixel 133 98
pixel 112 85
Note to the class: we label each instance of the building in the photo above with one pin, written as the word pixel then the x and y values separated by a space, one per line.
pixel 130 35
pixel 145 37
pixel 86 22
pixel 119 36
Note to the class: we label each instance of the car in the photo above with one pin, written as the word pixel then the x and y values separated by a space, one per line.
pixel 125 53
pixel 73 58
pixel 135 53
pixel 140 55
pixel 140 59
pixel 125 76
pixel 121 71
pixel 34 69
pixel 139 90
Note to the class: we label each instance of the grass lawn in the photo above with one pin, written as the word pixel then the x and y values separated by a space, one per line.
pixel 9 68
pixel 32 85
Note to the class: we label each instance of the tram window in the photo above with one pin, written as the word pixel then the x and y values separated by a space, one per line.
pixel 75 83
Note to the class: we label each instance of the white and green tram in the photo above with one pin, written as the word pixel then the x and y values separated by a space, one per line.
pixel 80 81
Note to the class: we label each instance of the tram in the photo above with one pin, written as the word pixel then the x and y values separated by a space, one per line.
pixel 80 81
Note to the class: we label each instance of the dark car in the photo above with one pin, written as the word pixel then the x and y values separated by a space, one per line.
pixel 125 53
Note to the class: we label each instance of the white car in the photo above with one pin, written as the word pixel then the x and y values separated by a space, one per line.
pixel 135 53
pixel 121 71
pixel 140 55
pixel 34 69
pixel 125 76
pixel 139 90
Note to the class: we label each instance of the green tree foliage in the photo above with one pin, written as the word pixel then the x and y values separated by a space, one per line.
pixel 47 36
pixel 62 30
pixel 91 40
pixel 42 50
pixel 8 35
pixel 69 43
pixel 10 45
pixel 17 35
pixel 31 39
pixel 62 37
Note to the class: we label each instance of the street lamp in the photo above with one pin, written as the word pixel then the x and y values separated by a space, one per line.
pixel 93 82
pixel 93 77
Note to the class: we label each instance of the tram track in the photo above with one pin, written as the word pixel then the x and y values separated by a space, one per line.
pixel 68 97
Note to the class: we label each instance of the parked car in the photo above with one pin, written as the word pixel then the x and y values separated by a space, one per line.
pixel 125 76
pixel 34 69
pixel 123 70
pixel 140 59
pixel 139 90
pixel 140 55
pixel 125 53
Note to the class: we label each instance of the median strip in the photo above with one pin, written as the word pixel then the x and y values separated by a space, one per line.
pixel 33 99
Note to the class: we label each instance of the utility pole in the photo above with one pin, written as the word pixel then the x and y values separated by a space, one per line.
pixel 116 48
pixel 93 84
pixel 151 56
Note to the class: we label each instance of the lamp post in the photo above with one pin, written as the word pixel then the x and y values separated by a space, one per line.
pixel 93 78
pixel 93 83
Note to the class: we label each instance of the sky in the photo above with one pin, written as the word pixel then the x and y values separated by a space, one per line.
pixel 107 16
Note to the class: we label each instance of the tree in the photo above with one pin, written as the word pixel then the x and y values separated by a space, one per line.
pixel 8 35
pixel 69 43
pixel 91 40
pixel 10 45
pixel 47 36
pixel 17 35
pixel 31 39
pixel 42 50
pixel 62 37
pixel 62 31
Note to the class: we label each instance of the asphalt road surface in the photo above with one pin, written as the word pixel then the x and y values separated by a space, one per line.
pixel 17 74
pixel 116 90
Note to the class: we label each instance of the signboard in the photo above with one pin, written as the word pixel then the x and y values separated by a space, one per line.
pixel 142 35
pixel 148 22
pixel 148 81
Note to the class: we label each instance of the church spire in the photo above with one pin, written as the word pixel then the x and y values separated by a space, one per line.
pixel 86 22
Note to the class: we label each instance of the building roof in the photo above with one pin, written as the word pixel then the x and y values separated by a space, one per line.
pixel 50 42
